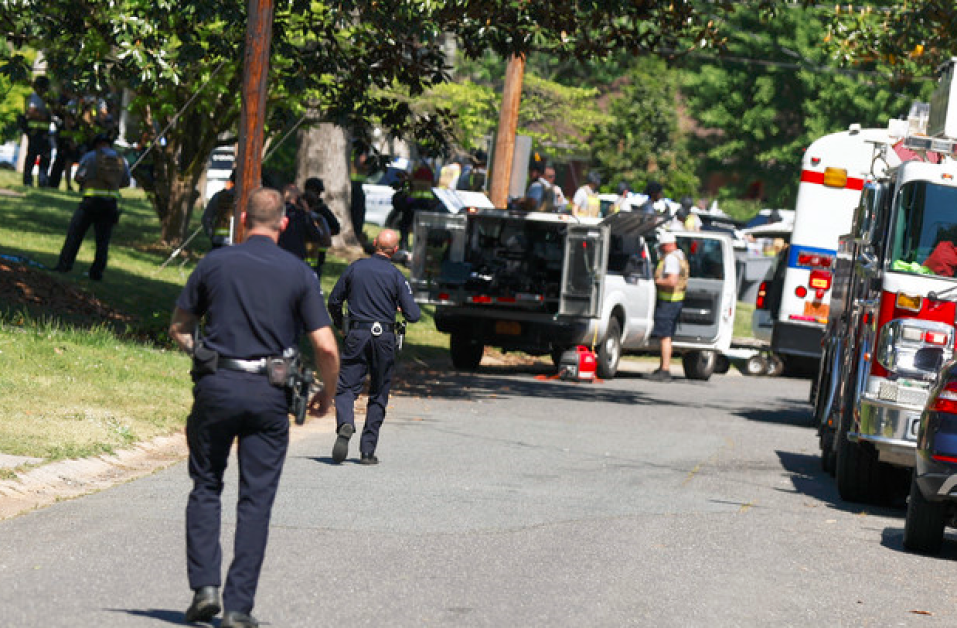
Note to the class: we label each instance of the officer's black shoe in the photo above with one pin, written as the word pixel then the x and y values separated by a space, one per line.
pixel 205 605
pixel 235 619
pixel 341 449
pixel 368 459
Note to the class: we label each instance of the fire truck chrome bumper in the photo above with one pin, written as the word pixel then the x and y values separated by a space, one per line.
pixel 891 428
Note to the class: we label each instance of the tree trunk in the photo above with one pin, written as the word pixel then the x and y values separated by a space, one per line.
pixel 324 153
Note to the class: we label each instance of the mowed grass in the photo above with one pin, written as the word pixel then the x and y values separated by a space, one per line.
pixel 75 387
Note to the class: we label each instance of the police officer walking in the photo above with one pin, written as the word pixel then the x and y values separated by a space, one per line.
pixel 37 117
pixel 101 174
pixel 375 289
pixel 256 299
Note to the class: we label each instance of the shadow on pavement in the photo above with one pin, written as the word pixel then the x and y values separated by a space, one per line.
pixel 893 539
pixel 170 617
pixel 785 412
pixel 809 479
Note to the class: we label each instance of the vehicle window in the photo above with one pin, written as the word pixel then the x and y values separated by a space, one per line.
pixel 704 257
pixel 925 231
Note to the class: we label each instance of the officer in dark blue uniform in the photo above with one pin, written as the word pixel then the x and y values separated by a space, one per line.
pixel 375 289
pixel 256 299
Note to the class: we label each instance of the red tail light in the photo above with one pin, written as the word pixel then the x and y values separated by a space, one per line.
pixel 935 338
pixel 946 400
pixel 760 302
pixel 820 280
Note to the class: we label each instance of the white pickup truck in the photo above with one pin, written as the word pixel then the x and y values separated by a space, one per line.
pixel 543 283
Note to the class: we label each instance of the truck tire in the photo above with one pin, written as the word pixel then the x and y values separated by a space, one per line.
pixel 466 354
pixel 775 366
pixel 609 351
pixel 924 526
pixel 756 365
pixel 858 470
pixel 722 364
pixel 699 364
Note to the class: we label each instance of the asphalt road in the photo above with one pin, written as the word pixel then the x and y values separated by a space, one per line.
pixel 506 500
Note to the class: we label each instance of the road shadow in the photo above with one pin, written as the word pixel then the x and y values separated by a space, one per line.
pixel 177 618
pixel 782 412
pixel 893 539
pixel 810 480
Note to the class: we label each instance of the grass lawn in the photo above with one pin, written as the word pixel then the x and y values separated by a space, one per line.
pixel 74 385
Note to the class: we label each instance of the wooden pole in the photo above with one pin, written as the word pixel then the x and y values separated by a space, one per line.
pixel 253 114
pixel 505 137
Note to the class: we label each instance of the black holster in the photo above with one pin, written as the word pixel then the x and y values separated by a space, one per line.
pixel 205 361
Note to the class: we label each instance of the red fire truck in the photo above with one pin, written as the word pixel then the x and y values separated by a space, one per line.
pixel 891 324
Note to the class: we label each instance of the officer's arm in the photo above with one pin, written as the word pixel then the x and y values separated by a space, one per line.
pixel 326 350
pixel 337 297
pixel 181 329
pixel 407 305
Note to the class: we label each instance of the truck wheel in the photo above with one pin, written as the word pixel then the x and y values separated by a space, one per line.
pixel 722 364
pixel 755 365
pixel 858 471
pixel 466 354
pixel 609 351
pixel 924 526
pixel 775 366
pixel 699 364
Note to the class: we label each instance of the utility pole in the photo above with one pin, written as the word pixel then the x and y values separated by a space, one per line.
pixel 507 125
pixel 253 113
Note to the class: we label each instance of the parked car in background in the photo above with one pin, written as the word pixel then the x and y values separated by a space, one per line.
pixel 379 189
pixel 9 151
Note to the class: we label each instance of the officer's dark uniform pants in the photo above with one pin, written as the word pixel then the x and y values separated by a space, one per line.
pixel 102 213
pixel 38 145
pixel 227 405
pixel 66 156
pixel 364 353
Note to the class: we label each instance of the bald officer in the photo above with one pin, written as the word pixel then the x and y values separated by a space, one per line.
pixel 375 290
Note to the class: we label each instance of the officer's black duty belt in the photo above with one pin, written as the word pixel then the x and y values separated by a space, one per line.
pixel 376 328
pixel 247 366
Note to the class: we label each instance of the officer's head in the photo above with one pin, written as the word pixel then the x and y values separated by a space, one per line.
pixel 102 139
pixel 667 242
pixel 314 185
pixel 654 190
pixel 386 243
pixel 265 213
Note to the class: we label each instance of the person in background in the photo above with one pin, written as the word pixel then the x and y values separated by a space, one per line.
pixel 101 174
pixel 36 122
pixel 357 204
pixel 586 203
pixel 217 217
pixel 671 282
pixel 655 193
pixel 301 230
pixel 312 195
pixel 623 202
pixel 560 203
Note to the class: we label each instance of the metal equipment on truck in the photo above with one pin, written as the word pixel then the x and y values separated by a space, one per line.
pixel 545 283
pixel 891 323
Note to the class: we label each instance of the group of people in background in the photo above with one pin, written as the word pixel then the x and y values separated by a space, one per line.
pixel 66 122
pixel 545 195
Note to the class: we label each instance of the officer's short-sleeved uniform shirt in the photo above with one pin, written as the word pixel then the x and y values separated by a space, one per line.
pixel 256 297
pixel 374 288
